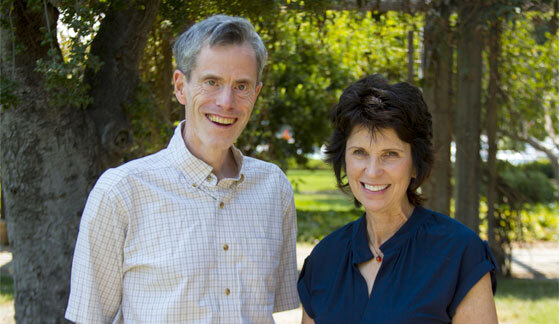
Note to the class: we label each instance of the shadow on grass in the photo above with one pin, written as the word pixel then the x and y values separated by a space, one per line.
pixel 6 287
pixel 527 289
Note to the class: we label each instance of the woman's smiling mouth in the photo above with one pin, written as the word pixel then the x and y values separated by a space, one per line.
pixel 375 188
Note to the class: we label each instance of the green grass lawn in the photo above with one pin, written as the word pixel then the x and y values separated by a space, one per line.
pixel 527 301
pixel 6 288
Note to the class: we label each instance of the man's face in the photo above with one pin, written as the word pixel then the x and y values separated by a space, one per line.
pixel 219 96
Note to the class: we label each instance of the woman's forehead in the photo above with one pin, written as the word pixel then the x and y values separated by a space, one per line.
pixel 362 135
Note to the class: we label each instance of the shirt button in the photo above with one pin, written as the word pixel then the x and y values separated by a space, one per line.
pixel 209 178
pixel 225 247
pixel 221 204
pixel 194 185
pixel 227 291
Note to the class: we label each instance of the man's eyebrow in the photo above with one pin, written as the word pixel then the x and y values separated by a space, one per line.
pixel 210 76
pixel 244 80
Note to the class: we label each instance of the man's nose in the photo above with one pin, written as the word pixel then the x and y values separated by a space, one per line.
pixel 225 98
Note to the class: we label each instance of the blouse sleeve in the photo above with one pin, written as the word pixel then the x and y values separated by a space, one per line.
pixel 303 286
pixel 477 260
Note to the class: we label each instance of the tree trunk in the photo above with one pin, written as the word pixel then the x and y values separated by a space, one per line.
pixel 410 57
pixel 492 108
pixel 468 113
pixel 164 77
pixel 52 155
pixel 437 90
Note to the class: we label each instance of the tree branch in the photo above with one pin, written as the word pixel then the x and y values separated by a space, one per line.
pixel 409 6
pixel 548 125
pixel 119 44
pixel 553 158
pixel 27 24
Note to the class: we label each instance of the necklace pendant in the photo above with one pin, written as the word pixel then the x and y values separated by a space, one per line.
pixel 379 258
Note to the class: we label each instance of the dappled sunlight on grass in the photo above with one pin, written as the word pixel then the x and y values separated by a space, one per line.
pixel 334 201
pixel 523 301
pixel 312 180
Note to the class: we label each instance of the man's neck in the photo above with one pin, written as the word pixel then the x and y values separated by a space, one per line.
pixel 222 161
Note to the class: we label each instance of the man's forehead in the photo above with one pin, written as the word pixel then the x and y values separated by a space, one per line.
pixel 237 59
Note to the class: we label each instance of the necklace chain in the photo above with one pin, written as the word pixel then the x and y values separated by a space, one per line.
pixel 377 253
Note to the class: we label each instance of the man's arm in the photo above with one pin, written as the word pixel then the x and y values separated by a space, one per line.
pixel 96 282
pixel 286 296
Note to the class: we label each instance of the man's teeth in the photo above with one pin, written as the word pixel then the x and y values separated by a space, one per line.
pixel 375 188
pixel 221 120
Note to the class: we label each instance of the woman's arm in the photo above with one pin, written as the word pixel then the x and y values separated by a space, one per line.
pixel 477 306
pixel 306 318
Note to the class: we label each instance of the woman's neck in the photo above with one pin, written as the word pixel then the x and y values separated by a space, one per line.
pixel 382 226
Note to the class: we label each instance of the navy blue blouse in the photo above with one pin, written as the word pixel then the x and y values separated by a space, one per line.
pixel 429 265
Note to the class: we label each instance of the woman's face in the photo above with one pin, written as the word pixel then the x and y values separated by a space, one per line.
pixel 379 169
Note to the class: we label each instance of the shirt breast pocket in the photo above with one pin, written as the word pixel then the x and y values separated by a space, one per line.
pixel 257 269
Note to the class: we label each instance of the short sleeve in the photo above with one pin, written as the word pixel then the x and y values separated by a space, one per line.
pixel 477 260
pixel 303 286
pixel 96 280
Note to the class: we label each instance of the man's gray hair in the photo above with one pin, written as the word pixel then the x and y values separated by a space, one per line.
pixel 217 30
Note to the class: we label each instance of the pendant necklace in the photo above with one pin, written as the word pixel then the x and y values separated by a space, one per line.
pixel 377 253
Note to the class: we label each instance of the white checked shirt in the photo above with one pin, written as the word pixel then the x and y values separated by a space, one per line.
pixel 161 241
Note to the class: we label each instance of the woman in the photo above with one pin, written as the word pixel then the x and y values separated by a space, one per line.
pixel 400 262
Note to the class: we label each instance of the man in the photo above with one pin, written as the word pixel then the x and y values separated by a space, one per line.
pixel 196 233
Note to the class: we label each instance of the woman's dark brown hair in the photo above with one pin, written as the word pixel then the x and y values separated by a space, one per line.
pixel 375 104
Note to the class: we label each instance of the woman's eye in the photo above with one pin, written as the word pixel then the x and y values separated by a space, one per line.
pixel 359 152
pixel 391 154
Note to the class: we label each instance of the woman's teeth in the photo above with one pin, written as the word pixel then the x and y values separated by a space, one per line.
pixel 375 188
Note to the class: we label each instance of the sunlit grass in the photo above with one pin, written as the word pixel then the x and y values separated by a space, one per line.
pixel 312 180
pixel 527 301
pixel 324 201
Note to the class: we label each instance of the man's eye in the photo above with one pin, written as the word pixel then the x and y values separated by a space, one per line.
pixel 211 83
pixel 242 87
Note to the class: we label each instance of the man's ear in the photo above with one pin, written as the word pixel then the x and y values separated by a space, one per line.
pixel 258 88
pixel 179 80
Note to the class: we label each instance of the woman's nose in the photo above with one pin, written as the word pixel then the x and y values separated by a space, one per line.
pixel 374 169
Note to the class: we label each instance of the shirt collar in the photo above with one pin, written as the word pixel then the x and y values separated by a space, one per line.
pixel 360 241
pixel 195 169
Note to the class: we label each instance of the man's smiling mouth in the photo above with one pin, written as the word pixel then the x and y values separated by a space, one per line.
pixel 221 120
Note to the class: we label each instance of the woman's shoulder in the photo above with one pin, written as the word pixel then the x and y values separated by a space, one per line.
pixel 439 224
